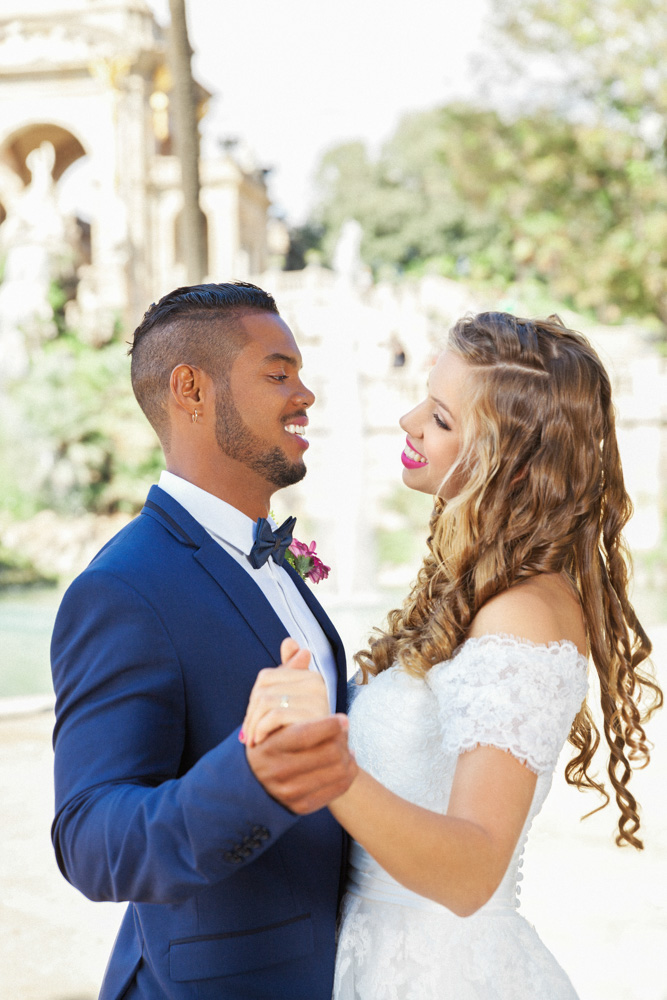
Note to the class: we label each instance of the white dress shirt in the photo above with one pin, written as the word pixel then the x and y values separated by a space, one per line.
pixel 235 532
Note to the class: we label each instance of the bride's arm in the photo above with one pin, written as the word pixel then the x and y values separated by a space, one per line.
pixel 459 859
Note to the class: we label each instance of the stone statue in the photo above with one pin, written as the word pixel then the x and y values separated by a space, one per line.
pixel 347 253
pixel 32 240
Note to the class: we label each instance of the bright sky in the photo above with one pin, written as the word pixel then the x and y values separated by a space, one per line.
pixel 294 77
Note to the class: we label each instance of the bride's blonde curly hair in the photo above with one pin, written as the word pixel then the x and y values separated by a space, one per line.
pixel 542 492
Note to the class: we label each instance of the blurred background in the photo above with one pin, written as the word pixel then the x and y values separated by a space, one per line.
pixel 381 169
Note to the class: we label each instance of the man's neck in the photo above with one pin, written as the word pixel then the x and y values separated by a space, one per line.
pixel 248 493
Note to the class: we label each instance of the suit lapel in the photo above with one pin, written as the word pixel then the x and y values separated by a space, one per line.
pixel 239 586
pixel 329 630
pixel 244 594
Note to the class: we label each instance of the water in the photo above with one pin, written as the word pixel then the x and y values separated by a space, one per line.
pixel 26 622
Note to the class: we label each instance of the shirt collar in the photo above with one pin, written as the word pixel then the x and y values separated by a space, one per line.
pixel 220 519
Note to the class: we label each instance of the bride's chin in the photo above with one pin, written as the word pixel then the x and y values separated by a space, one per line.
pixel 408 479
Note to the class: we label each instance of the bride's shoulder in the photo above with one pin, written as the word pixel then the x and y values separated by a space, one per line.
pixel 543 609
pixel 526 647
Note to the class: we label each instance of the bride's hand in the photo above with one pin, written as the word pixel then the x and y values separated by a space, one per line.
pixel 284 695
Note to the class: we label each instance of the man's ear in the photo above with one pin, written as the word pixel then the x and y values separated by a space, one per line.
pixel 190 390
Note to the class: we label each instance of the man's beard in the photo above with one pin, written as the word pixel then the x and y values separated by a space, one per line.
pixel 237 441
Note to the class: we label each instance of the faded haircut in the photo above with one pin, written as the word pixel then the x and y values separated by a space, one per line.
pixel 197 325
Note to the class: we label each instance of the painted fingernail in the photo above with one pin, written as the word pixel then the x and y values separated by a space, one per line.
pixel 242 737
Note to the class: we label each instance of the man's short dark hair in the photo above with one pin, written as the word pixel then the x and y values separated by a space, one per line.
pixel 196 325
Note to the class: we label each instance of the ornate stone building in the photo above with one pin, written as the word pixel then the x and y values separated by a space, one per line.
pixel 89 78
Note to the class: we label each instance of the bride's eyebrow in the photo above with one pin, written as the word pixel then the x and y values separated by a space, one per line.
pixel 442 405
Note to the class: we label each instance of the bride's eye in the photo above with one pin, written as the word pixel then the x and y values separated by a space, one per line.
pixel 441 423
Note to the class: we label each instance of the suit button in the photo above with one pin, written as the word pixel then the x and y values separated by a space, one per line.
pixel 260 832
pixel 233 857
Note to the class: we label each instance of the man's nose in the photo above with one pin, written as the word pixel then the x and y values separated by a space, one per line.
pixel 304 395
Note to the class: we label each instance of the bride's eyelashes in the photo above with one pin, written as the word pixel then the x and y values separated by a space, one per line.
pixel 441 423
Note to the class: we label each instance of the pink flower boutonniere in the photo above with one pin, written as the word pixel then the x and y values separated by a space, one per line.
pixel 304 559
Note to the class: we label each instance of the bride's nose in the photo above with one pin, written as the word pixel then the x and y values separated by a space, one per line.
pixel 410 421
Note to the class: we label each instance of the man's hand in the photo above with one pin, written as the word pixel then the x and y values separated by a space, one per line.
pixel 307 765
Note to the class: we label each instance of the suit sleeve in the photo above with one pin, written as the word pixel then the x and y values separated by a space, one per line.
pixel 128 824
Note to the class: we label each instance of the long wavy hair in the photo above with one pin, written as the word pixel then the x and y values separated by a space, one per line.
pixel 541 491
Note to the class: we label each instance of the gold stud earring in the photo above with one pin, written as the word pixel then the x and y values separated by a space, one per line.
pixel 195 417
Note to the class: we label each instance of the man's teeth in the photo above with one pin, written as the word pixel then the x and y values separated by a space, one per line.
pixel 295 429
pixel 414 456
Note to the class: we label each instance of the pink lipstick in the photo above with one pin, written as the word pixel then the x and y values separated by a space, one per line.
pixel 411 458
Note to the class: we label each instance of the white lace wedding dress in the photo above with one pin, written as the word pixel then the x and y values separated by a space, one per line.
pixel 408 732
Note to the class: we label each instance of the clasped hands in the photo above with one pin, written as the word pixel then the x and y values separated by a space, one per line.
pixel 297 750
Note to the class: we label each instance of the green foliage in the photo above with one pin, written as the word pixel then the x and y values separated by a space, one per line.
pixel 397 547
pixel 580 209
pixel 610 58
pixel 401 539
pixel 610 54
pixel 303 241
pixel 57 297
pixel 568 192
pixel 74 438
pixel 17 571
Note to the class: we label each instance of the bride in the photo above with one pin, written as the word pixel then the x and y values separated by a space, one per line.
pixel 463 704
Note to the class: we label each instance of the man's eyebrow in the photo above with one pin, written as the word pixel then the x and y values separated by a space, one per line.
pixel 287 358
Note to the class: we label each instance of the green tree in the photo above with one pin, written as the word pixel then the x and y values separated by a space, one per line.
pixel 579 209
pixel 610 56
pixel 73 438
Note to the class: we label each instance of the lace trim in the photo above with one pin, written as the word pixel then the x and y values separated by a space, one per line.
pixel 512 693
pixel 508 639
pixel 504 748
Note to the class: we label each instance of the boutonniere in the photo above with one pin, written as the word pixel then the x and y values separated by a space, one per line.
pixel 304 559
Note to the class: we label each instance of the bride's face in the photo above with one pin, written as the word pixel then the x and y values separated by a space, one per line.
pixel 433 429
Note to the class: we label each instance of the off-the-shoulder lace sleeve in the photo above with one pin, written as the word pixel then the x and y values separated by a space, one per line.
pixel 510 693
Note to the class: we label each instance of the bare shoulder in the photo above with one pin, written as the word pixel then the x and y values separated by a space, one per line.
pixel 541 609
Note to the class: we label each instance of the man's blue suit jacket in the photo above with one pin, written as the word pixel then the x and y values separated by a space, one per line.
pixel 155 650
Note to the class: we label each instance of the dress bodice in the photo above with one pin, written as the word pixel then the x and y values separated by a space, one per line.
pixel 496 690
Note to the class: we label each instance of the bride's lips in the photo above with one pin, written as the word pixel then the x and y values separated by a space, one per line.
pixel 411 458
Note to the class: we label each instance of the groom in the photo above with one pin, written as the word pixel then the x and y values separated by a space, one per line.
pixel 229 861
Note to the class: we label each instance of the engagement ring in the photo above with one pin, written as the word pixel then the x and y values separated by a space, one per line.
pixel 284 702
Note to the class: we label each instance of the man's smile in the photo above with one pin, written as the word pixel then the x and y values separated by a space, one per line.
pixel 297 428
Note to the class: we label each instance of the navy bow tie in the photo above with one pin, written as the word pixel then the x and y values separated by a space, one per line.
pixel 271 543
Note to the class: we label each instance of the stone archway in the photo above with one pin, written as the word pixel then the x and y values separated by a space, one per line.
pixel 91 79
pixel 40 241
pixel 15 174
pixel 17 146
